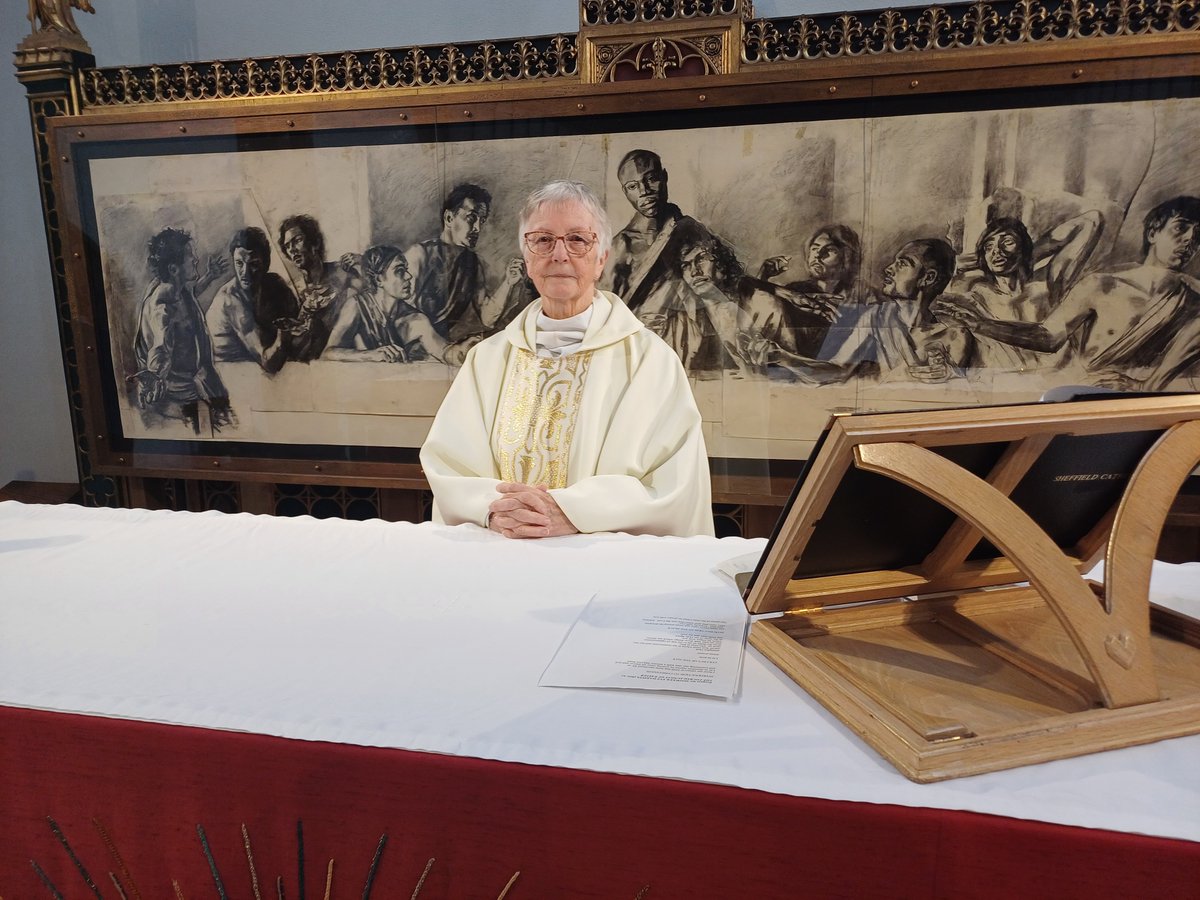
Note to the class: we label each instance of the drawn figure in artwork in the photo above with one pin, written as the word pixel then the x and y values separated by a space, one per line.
pixel 323 288
pixel 899 335
pixel 56 15
pixel 708 320
pixel 172 347
pixel 1012 278
pixel 911 340
pixel 381 324
pixel 702 319
pixel 243 313
pixel 450 281
pixel 643 266
pixel 812 317
pixel 1126 325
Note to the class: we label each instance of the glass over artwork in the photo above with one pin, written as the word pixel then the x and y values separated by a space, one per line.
pixel 326 295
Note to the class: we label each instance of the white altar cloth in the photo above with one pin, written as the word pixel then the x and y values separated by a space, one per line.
pixel 432 638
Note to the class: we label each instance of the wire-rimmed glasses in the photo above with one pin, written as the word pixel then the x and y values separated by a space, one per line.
pixel 577 243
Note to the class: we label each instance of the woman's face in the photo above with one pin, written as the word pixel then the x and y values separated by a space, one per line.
pixel 565 283
pixel 396 281
pixel 1002 253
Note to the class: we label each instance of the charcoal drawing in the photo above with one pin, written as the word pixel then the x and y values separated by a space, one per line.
pixel 327 295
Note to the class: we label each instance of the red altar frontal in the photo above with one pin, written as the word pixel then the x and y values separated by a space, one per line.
pixel 192 812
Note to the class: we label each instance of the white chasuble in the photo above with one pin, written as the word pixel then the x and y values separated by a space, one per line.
pixel 536 419
pixel 612 429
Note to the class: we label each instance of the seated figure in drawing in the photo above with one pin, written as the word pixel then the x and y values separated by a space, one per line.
pixel 450 280
pixel 807 317
pixel 381 324
pixel 702 319
pixel 1011 277
pixel 243 312
pixel 1125 325
pixel 575 418
pixel 712 317
pixel 900 335
pixel 324 287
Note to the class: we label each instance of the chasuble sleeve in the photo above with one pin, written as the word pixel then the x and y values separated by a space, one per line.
pixel 457 455
pixel 652 474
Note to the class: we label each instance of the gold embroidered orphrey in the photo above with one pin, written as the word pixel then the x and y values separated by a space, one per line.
pixel 537 415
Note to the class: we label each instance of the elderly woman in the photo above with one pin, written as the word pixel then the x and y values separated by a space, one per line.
pixel 575 418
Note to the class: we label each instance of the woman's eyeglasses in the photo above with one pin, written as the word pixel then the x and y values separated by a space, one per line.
pixel 577 243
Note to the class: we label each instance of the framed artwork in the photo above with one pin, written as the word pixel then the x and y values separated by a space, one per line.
pixel 277 292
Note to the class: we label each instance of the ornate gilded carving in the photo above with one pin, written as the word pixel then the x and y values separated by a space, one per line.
pixel 658 55
pixel 628 40
pixel 629 12
pixel 56 15
pixel 661 58
pixel 958 26
pixel 333 73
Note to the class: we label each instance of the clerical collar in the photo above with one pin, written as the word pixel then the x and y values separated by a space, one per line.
pixel 560 337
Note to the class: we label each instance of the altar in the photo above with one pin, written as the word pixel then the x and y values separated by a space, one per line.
pixel 262 706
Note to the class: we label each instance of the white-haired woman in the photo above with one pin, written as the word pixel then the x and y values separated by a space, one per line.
pixel 575 418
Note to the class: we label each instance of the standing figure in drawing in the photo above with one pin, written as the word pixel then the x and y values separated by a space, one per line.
pixel 172 347
pixel 644 266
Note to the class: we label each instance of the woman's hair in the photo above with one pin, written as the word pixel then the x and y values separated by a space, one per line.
pixel 1017 229
pixel 375 261
pixel 559 192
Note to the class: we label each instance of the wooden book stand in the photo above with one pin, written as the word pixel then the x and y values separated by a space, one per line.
pixel 975 643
